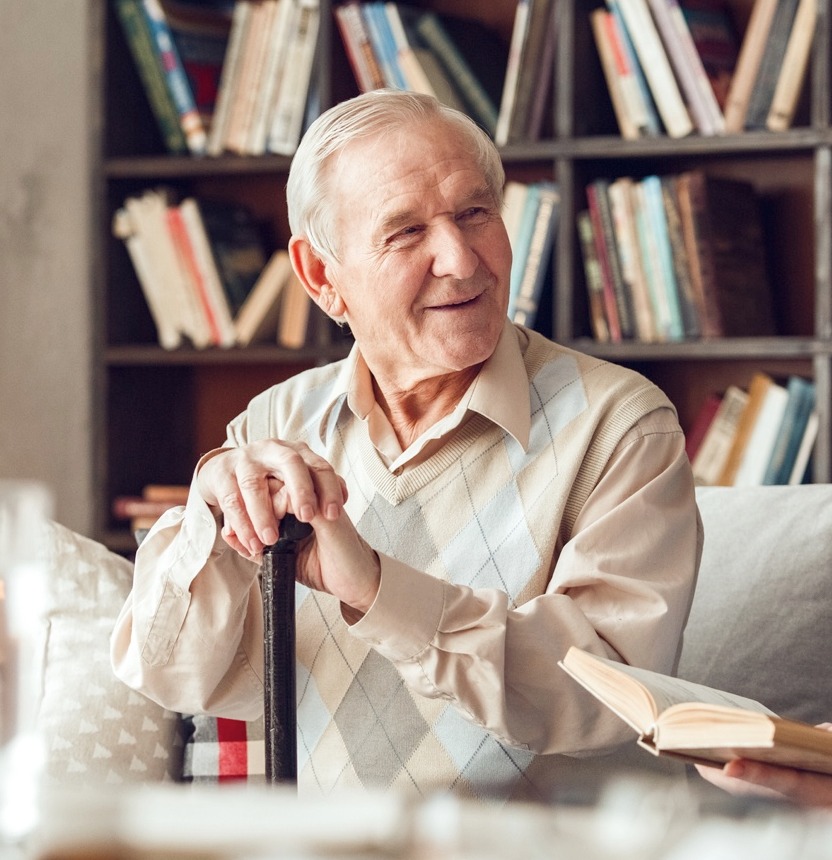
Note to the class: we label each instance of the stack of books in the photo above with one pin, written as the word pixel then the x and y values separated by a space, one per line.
pixel 668 258
pixel 763 435
pixel 677 66
pixel 206 274
pixel 225 76
pixel 406 47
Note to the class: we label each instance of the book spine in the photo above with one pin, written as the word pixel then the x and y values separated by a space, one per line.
pixel 687 64
pixel 656 67
pixel 713 453
pixel 620 196
pixel 623 300
pixel 599 23
pixel 748 63
pixel 770 64
pixel 599 240
pixel 681 265
pixel 229 77
pixel 139 39
pixel 658 220
pixel 594 278
pixel 384 46
pixel 519 34
pixel 793 70
pixel 357 45
pixel 177 80
pixel 295 85
pixel 430 29
pixel 538 257
pixel 654 125
pixel 520 249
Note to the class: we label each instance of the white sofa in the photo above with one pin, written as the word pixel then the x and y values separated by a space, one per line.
pixel 758 627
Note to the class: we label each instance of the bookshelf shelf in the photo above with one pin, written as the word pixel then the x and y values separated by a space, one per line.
pixel 159 408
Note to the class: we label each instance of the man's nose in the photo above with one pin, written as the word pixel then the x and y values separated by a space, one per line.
pixel 453 255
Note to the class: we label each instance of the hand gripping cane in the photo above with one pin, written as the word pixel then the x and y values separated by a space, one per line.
pixel 280 706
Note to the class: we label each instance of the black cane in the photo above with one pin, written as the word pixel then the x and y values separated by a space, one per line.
pixel 280 709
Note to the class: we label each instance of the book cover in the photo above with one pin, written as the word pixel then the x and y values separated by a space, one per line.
pixel 793 70
pixel 539 256
pixel 800 405
pixel 140 42
pixel 177 80
pixel 593 277
pixel 771 63
pixel 672 716
pixel 801 470
pixel 656 67
pixel 709 460
pixel 752 46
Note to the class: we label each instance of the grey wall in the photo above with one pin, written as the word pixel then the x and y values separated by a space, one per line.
pixel 46 144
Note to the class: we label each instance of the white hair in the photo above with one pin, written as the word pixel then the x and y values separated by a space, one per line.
pixel 311 206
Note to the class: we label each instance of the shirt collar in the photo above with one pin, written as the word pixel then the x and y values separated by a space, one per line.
pixel 500 392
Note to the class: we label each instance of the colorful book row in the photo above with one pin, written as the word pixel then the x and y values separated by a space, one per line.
pixel 679 67
pixel 764 435
pixel 669 258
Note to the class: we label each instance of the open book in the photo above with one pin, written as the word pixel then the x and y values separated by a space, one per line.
pixel 698 723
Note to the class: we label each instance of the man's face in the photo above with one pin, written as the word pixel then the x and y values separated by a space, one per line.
pixel 424 254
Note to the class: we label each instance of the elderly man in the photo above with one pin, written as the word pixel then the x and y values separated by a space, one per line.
pixel 481 497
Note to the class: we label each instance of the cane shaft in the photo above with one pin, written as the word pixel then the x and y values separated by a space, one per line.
pixel 280 705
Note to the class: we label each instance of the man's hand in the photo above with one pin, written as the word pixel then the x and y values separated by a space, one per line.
pixel 754 778
pixel 256 485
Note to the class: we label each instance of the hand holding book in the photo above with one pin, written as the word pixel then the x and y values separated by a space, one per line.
pixel 677 718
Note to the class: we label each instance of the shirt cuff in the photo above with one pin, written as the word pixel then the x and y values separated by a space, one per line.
pixel 390 626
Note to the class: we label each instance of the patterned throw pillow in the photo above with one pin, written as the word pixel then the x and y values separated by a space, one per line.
pixel 222 750
pixel 97 730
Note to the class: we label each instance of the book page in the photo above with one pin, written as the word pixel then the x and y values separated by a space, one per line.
pixel 667 691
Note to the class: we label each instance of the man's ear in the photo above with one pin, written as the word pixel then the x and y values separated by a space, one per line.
pixel 311 271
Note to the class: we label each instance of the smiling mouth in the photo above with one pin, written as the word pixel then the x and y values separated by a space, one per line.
pixel 461 303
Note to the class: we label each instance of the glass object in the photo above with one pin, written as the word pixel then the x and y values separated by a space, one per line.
pixel 25 507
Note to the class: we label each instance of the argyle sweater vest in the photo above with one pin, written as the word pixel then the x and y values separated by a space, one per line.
pixel 358 723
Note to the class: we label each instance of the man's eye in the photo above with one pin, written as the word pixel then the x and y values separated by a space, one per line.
pixel 474 213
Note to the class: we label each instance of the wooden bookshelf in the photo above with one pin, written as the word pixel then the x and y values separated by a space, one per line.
pixel 158 410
